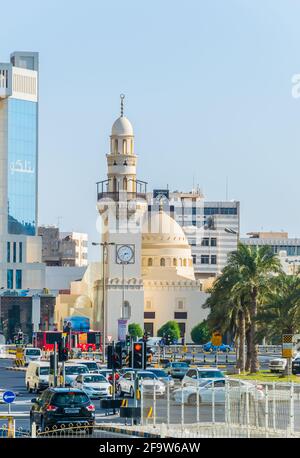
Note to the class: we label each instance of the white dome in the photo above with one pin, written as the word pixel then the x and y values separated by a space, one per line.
pixel 122 126
pixel 161 226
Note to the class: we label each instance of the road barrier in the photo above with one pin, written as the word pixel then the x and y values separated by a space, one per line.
pixel 244 409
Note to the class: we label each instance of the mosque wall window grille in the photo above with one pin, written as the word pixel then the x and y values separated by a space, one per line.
pixel 150 262
pixel 162 262
pixel 175 262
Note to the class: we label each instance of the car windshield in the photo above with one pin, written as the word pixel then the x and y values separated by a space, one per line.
pixel 74 370
pixel 33 352
pixel 146 376
pixel 91 366
pixel 210 374
pixel 94 379
pixel 44 370
pixel 159 373
pixel 69 398
pixel 179 365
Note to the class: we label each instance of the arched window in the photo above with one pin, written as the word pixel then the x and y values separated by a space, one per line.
pixel 174 262
pixel 150 262
pixel 184 262
pixel 131 146
pixel 162 262
pixel 125 184
pixel 116 146
pixel 126 310
pixel 114 184
pixel 124 147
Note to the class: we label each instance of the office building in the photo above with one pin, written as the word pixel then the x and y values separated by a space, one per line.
pixel 20 247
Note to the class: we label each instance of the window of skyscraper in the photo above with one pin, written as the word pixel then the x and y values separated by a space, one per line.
pixel 213 259
pixel 205 241
pixel 18 279
pixel 8 252
pixel 20 252
pixel 10 279
pixel 14 252
pixel 213 242
pixel 204 259
pixel 22 159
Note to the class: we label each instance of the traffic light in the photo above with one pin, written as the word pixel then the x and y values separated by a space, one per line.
pixel 110 351
pixel 63 354
pixel 145 337
pixel 117 357
pixel 128 340
pixel 139 355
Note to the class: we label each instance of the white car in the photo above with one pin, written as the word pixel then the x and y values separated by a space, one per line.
pixel 90 364
pixel 146 380
pixel 216 387
pixel 94 385
pixel 196 375
pixel 277 364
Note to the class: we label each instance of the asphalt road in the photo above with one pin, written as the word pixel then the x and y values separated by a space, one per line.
pixel 14 381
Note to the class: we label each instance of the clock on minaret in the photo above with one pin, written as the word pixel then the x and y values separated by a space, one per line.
pixel 125 254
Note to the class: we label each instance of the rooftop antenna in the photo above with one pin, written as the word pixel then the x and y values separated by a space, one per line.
pixel 122 97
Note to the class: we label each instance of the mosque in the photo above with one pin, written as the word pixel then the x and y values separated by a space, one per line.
pixel 146 260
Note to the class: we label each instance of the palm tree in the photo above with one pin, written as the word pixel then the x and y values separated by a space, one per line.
pixel 256 266
pixel 228 312
pixel 281 312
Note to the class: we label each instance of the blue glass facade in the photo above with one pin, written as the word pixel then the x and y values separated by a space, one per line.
pixel 22 166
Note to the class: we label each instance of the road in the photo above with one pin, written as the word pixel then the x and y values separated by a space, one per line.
pixel 14 381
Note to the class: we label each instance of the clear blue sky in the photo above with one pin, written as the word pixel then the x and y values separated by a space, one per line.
pixel 208 91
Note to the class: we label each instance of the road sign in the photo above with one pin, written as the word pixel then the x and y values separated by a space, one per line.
pixel 8 397
pixel 216 339
pixel 287 346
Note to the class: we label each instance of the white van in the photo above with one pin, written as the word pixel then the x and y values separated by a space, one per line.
pixel 37 376
pixel 32 354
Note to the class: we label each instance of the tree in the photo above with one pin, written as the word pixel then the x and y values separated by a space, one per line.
pixel 135 330
pixel 281 312
pixel 171 329
pixel 256 266
pixel 200 333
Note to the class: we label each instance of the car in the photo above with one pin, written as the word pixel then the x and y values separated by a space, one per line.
pixel 195 375
pixel 108 374
pixel 177 369
pixel 94 385
pixel 209 389
pixel 209 347
pixel 71 372
pixel 37 376
pixel 62 406
pixel 91 365
pixel 32 354
pixel 296 366
pixel 277 365
pixel 146 380
pixel 163 376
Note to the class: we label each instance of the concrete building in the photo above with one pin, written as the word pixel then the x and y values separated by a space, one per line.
pixel 287 248
pixel 69 249
pixel 20 247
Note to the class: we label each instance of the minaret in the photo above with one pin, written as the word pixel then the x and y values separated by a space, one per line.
pixel 121 161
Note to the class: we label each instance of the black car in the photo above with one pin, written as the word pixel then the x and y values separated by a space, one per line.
pixel 296 366
pixel 62 406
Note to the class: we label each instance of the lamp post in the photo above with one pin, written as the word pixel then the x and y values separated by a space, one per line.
pixel 104 246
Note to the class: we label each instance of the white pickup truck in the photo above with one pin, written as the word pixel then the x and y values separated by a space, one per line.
pixel 279 364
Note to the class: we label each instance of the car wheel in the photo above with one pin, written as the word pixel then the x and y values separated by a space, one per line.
pixel 131 394
pixel 28 388
pixel 36 390
pixel 119 391
pixel 192 399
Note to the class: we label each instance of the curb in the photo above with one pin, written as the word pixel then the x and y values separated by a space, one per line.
pixel 129 432
pixel 15 368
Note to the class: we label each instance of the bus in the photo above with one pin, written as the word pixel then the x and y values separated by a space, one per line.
pixel 86 341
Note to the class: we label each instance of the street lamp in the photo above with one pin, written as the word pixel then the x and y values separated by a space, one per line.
pixel 104 246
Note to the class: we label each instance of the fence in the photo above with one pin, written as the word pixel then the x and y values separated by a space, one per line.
pixel 224 409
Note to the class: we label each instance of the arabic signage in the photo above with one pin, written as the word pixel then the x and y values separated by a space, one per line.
pixel 21 167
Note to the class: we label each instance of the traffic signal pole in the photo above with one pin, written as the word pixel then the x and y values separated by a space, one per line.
pixel 55 364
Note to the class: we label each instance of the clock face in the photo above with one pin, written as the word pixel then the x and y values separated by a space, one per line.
pixel 125 253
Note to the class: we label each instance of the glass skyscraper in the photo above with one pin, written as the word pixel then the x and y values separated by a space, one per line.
pixel 20 248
